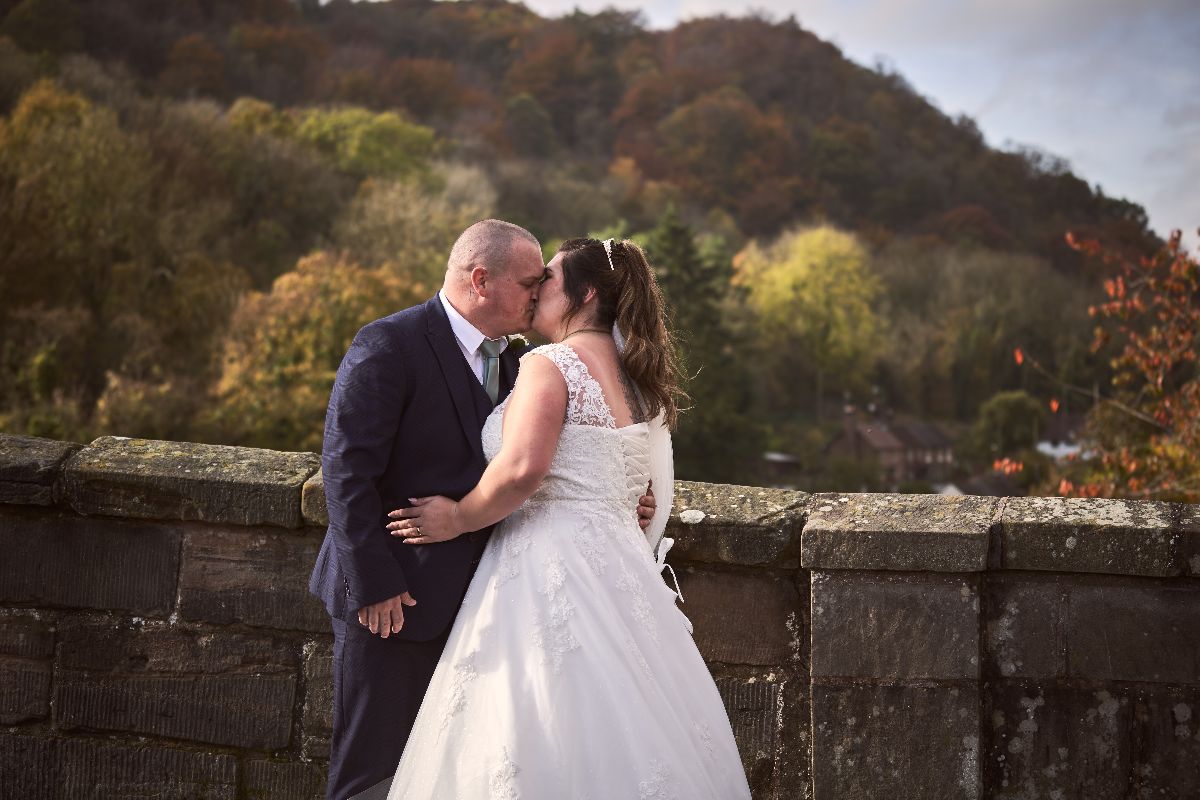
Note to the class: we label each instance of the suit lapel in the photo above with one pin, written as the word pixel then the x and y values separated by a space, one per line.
pixel 455 370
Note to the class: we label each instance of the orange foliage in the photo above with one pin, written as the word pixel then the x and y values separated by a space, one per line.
pixel 1152 450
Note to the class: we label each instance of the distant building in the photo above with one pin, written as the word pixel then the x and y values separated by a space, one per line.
pixel 905 451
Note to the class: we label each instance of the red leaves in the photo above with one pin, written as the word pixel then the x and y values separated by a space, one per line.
pixel 1152 316
pixel 1007 466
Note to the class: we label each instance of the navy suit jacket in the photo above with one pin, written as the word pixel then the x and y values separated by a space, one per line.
pixel 404 420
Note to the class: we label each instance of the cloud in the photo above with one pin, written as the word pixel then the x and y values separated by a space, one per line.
pixel 1182 115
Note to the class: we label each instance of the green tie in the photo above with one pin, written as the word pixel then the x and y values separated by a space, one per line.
pixel 491 366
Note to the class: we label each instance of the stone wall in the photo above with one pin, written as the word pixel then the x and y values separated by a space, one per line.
pixel 157 640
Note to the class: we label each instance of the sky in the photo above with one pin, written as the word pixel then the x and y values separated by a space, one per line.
pixel 1112 86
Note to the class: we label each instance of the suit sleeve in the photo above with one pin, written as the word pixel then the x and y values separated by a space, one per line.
pixel 361 426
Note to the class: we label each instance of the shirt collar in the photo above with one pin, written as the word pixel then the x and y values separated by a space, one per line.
pixel 467 334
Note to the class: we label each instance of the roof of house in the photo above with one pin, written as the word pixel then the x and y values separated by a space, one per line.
pixel 924 435
pixel 878 437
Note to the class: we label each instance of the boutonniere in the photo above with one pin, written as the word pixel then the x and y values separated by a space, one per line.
pixel 517 340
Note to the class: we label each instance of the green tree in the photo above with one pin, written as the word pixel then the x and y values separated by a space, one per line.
pixel 717 439
pixel 1008 423
pixel 814 302
pixel 366 144
pixel 528 128
pixel 409 226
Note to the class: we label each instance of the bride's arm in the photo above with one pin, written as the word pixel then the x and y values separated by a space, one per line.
pixel 533 421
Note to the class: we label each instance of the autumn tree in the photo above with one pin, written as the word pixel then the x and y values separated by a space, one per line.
pixel 284 347
pixel 194 66
pixel 722 150
pixel 44 26
pixel 74 221
pixel 1144 435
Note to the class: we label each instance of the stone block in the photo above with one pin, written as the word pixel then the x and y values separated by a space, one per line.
pixel 84 769
pixel 1189 528
pixel 917 532
pixel 312 501
pixel 1052 740
pixel 26 634
pixel 318 698
pixel 1071 534
pixel 26 648
pixel 1120 632
pixel 895 741
pixel 744 525
pixel 30 468
pixel 1025 627
pixel 268 780
pixel 24 690
pixel 894 627
pixel 257 576
pixel 66 560
pixel 742 618
pixel 754 714
pixel 181 480
pixel 227 689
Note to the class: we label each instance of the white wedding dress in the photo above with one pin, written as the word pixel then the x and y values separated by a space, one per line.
pixel 570 674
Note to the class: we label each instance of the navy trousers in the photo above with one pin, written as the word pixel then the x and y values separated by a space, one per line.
pixel 378 685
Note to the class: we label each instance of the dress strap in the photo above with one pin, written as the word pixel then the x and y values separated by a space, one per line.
pixel 585 400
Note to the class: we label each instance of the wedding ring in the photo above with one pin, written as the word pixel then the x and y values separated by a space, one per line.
pixel 418 529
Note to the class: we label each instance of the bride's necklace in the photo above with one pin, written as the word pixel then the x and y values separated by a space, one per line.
pixel 582 330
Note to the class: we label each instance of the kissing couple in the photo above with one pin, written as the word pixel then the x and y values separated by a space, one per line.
pixel 501 625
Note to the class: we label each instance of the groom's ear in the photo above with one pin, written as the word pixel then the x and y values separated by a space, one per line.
pixel 479 280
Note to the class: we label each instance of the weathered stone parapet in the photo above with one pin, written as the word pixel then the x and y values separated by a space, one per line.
pixel 180 480
pixel 742 525
pixel 1188 523
pixel 1112 537
pixel 312 502
pixel 30 468
pixel 898 532
pixel 157 638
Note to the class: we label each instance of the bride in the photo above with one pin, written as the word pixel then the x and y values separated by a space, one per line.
pixel 569 672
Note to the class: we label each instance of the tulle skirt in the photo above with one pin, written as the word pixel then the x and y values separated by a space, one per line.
pixel 570 673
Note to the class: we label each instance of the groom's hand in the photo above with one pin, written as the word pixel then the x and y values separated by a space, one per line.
pixel 646 506
pixel 386 617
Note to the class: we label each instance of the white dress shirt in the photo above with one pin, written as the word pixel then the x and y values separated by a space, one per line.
pixel 468 336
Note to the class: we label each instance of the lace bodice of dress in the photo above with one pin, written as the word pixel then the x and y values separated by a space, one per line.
pixel 595 460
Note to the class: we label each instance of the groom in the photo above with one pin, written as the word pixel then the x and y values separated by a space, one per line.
pixel 404 420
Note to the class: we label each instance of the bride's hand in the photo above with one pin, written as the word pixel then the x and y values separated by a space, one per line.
pixel 428 520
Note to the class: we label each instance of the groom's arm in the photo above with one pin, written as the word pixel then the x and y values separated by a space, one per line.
pixel 360 430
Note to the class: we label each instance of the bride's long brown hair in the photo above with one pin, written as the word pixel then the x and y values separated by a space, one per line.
pixel 628 294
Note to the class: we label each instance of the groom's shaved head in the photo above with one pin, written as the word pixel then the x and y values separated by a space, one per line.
pixel 487 244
